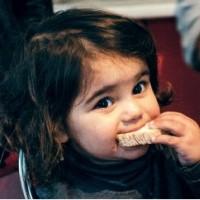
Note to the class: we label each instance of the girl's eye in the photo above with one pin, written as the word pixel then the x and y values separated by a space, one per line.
pixel 139 88
pixel 104 103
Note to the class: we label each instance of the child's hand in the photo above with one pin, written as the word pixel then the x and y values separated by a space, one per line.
pixel 184 136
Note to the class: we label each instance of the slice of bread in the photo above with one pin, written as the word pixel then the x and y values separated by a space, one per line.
pixel 143 136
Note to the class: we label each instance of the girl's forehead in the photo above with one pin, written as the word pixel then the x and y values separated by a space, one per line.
pixel 110 70
pixel 110 67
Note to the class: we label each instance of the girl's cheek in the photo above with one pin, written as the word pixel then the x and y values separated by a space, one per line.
pixel 155 110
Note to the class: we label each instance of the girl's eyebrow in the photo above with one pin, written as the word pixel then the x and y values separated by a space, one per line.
pixel 101 91
pixel 110 87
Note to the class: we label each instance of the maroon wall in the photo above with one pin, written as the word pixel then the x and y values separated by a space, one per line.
pixel 172 68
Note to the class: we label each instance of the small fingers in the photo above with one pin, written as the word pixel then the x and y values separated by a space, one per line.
pixel 174 123
pixel 177 117
pixel 168 126
pixel 169 140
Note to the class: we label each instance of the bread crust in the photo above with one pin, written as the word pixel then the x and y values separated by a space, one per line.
pixel 144 135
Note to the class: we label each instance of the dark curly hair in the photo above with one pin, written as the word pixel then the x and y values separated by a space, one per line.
pixel 37 95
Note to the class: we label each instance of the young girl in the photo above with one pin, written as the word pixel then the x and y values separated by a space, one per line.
pixel 88 76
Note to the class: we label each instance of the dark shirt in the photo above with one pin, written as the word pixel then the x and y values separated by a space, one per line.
pixel 154 175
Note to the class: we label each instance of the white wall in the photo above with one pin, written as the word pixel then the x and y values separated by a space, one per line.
pixel 132 8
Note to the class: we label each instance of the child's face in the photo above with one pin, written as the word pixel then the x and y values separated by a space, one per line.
pixel 118 100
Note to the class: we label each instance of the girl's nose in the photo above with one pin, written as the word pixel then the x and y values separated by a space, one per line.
pixel 131 112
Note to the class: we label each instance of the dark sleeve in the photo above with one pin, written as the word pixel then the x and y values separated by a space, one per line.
pixel 191 175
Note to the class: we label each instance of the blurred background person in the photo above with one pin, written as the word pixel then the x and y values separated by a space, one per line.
pixel 188 24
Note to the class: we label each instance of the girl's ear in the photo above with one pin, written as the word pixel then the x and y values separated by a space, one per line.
pixel 60 134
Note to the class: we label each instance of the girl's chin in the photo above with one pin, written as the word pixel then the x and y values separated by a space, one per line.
pixel 132 153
